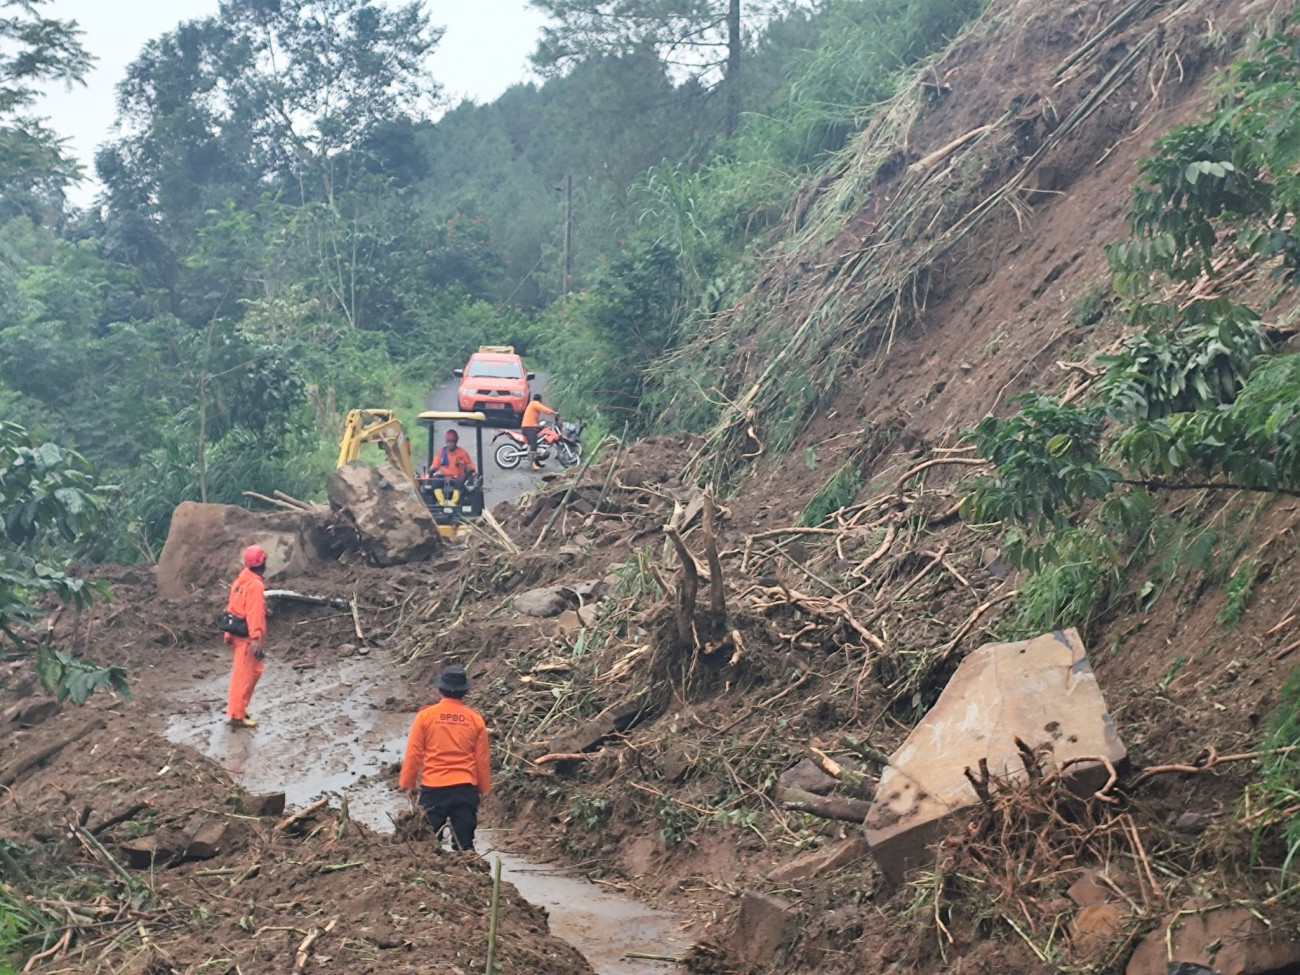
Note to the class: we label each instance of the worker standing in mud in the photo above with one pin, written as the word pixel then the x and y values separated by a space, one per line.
pixel 244 628
pixel 446 764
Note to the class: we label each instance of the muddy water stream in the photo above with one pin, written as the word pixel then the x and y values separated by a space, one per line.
pixel 323 730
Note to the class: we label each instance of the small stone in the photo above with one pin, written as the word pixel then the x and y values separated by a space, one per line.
pixel 142 853
pixel 268 804
pixel 1228 940
pixel 206 840
pixel 1192 823
pixel 1095 926
pixel 1087 892
pixel 806 775
pixel 540 602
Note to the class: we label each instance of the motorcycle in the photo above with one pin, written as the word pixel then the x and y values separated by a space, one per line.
pixel 565 439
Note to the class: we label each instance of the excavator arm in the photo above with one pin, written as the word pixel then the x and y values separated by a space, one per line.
pixel 380 427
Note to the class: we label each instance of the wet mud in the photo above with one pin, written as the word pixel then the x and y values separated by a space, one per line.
pixel 326 729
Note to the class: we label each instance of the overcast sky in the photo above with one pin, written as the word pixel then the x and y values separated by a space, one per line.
pixel 483 52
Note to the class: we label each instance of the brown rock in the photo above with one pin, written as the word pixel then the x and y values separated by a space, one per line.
pixel 392 524
pixel 540 602
pixel 31 712
pixel 1042 691
pixel 574 619
pixel 763 929
pixel 207 840
pixel 1228 940
pixel 270 804
pixel 1087 892
pixel 204 543
pixel 1192 823
pixel 819 863
pixel 806 775
pixel 142 853
pixel 1095 926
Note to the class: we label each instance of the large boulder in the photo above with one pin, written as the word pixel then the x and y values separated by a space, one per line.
pixel 392 524
pixel 1042 691
pixel 205 543
pixel 1225 940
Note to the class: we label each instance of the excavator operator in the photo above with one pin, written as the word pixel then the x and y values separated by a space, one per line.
pixel 453 462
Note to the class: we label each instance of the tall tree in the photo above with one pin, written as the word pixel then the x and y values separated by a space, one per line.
pixel 703 38
pixel 296 99
pixel 34 50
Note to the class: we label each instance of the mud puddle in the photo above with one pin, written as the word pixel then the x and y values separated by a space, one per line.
pixel 325 730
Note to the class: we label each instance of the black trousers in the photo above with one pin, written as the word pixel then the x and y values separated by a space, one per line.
pixel 458 803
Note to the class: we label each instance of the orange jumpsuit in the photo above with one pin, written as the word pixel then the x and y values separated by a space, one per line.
pixel 246 600
pixel 448 745
pixel 454 462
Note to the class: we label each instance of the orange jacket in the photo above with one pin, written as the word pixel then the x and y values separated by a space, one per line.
pixel 246 600
pixel 533 414
pixel 448 745
pixel 458 463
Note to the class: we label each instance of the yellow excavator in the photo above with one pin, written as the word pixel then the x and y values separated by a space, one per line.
pixel 380 427
pixel 452 502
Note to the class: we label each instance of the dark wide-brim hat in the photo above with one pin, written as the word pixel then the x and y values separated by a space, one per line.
pixel 453 678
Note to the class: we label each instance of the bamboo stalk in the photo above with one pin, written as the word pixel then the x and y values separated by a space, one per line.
pixel 555 515
pixel 493 917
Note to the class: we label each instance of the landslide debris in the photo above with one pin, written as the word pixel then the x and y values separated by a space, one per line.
pixel 125 853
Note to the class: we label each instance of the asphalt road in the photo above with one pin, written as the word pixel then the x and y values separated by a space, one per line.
pixel 498 485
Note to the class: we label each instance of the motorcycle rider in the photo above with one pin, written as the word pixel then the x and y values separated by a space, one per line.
pixel 531 425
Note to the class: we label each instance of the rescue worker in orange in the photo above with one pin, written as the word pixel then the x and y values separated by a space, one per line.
pixel 453 462
pixel 531 425
pixel 446 762
pixel 247 602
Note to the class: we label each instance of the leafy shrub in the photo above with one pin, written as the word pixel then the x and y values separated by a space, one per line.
pixel 1275 802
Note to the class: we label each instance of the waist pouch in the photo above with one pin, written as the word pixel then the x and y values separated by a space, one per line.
pixel 233 624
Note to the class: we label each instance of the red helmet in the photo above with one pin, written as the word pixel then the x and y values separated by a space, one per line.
pixel 254 556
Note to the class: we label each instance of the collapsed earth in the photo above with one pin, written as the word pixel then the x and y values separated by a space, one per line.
pixel 901 577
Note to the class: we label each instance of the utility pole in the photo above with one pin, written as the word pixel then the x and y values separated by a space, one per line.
pixel 568 232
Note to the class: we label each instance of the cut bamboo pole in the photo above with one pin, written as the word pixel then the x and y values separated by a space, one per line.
pixel 492 919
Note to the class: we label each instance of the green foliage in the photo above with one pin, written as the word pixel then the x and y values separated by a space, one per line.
pixel 1199 364
pixel 1275 802
pixel 47 497
pixel 34 51
pixel 1075 574
pixel 67 677
pixel 1047 460
pixel 838 492
pixel 605 340
pixel 1089 305
pixel 1239 588
pixel 14 924
pixel 676 821
pixel 1197 397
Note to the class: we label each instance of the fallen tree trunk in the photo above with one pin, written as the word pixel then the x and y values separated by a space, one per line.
pixel 338 602
pixel 827 807
pixel 10 773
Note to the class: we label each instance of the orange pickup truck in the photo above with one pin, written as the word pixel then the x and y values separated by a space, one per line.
pixel 494 382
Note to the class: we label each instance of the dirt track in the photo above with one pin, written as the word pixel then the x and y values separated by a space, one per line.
pixel 499 485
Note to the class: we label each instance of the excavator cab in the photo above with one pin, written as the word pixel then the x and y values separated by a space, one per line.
pixel 451 502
